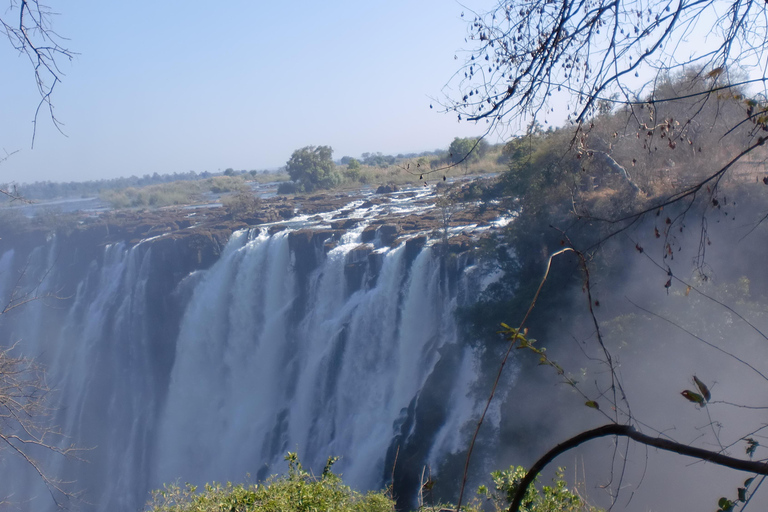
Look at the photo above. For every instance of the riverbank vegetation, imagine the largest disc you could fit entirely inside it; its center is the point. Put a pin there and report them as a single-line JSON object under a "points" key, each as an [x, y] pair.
{"points": [[309, 174]]}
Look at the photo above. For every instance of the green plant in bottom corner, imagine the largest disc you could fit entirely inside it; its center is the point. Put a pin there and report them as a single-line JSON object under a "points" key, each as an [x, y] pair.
{"points": [[555, 498], [298, 491]]}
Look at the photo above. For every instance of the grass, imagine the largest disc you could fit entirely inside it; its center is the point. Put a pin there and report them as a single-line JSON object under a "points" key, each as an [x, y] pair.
{"points": [[174, 193]]}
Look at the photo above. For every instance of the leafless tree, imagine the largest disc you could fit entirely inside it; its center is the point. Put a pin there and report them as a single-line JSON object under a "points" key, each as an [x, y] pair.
{"points": [[25, 428], [27, 24], [526, 53]]}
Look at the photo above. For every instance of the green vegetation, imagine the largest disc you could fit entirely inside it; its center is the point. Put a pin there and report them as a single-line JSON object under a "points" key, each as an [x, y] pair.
{"points": [[42, 190], [241, 205], [312, 168], [179, 192], [555, 498], [298, 491], [466, 151], [415, 168]]}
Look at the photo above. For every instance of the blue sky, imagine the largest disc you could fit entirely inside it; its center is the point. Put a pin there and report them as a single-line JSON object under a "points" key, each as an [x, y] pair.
{"points": [[176, 86]]}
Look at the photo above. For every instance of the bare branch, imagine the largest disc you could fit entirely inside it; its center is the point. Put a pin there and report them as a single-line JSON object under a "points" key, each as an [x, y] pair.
{"points": [[32, 35], [750, 466]]}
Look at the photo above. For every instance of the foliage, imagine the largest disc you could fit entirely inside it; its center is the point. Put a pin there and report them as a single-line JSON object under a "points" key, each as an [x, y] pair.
{"points": [[287, 187], [353, 170], [174, 193], [298, 491], [353, 164], [242, 205], [152, 196], [378, 160], [312, 168], [468, 150], [555, 498], [224, 184]]}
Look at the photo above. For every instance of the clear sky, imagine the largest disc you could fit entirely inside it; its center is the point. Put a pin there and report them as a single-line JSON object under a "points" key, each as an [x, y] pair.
{"points": [[189, 85]]}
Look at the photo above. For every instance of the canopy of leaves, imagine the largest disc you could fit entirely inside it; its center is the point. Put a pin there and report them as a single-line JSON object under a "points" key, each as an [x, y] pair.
{"points": [[312, 168], [298, 491], [467, 150]]}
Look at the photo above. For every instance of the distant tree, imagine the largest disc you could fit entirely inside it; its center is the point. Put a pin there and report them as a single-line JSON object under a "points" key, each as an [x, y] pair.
{"points": [[466, 151], [353, 164], [352, 172], [229, 172], [378, 159], [312, 168]]}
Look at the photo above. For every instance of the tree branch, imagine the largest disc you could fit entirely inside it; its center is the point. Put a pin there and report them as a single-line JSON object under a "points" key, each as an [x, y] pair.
{"points": [[630, 432]]}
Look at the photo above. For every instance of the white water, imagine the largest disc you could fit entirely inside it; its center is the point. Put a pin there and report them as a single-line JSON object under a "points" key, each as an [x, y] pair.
{"points": [[262, 366]]}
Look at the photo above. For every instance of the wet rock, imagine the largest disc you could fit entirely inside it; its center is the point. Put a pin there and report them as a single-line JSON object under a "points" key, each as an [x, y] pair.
{"points": [[387, 233], [357, 266], [368, 234], [387, 189], [345, 224], [414, 246]]}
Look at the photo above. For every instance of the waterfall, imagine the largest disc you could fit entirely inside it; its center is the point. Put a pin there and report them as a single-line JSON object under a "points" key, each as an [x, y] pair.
{"points": [[220, 373]]}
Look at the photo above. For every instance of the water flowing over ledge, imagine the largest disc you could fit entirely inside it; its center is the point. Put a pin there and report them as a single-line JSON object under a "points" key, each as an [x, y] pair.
{"points": [[292, 340]]}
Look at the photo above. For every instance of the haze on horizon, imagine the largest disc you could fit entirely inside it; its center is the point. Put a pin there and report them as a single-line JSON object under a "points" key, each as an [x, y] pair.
{"points": [[179, 86]]}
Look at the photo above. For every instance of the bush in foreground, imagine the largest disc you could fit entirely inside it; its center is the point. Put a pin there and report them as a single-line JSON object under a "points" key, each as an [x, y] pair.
{"points": [[557, 498], [298, 491]]}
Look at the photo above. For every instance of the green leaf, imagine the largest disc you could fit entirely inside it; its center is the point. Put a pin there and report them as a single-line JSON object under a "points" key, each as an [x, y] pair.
{"points": [[592, 404], [725, 504], [751, 446], [693, 397], [703, 388]]}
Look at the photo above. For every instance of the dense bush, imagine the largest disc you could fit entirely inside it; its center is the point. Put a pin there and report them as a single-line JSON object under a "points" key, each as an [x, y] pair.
{"points": [[242, 205], [557, 498], [298, 491], [288, 187], [312, 168]]}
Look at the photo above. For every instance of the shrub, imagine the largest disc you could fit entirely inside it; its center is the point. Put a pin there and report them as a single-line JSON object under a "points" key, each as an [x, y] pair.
{"points": [[298, 491], [289, 187], [241, 205], [223, 184], [550, 499]]}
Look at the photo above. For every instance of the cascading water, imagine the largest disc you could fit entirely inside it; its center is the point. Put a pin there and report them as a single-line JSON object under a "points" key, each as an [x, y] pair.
{"points": [[278, 346]]}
